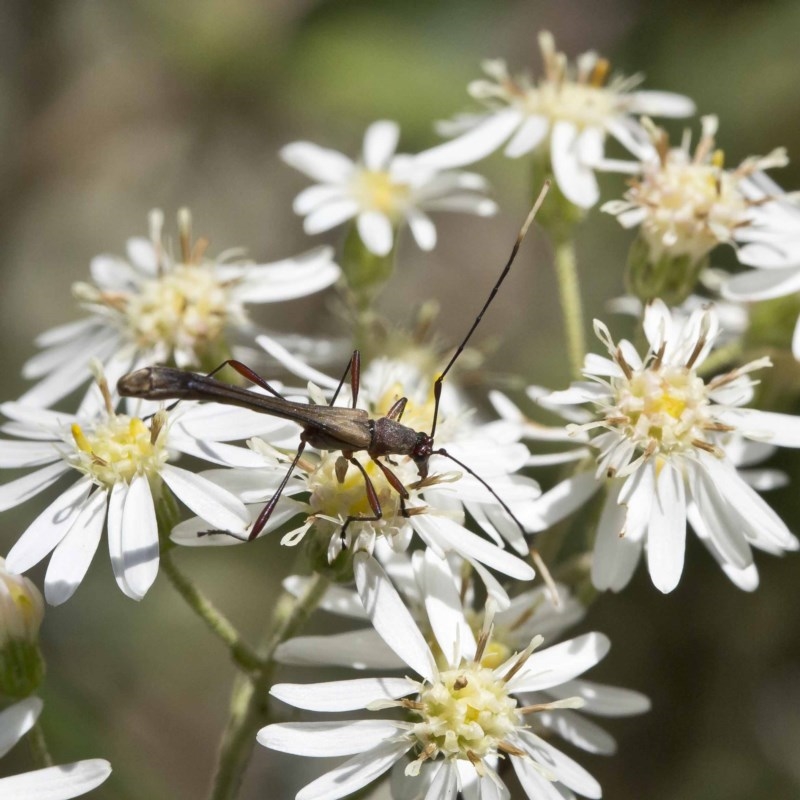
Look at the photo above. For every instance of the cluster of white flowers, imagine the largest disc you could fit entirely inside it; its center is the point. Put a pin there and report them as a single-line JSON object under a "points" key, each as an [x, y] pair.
{"points": [[392, 482]]}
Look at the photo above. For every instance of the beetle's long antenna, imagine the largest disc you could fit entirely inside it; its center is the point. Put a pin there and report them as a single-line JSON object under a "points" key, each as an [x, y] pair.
{"points": [[535, 556], [437, 387]]}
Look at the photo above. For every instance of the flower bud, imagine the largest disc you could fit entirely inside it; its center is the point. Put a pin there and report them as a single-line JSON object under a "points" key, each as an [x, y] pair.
{"points": [[651, 274], [21, 613]]}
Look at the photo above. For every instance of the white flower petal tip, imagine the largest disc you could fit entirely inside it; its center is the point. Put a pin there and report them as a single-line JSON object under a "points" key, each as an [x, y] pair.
{"points": [[160, 306], [382, 191], [56, 783], [679, 462]]}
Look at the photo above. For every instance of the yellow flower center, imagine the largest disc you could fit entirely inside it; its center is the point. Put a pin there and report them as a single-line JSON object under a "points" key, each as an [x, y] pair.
{"points": [[378, 192], [466, 713], [337, 499], [691, 207], [120, 448], [661, 409], [186, 307]]}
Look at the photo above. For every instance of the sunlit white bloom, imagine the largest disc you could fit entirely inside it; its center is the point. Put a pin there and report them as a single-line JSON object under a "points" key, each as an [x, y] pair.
{"points": [[566, 115], [665, 445], [52, 783], [123, 464], [382, 191], [685, 203], [433, 586], [775, 252], [161, 307], [460, 714], [336, 510]]}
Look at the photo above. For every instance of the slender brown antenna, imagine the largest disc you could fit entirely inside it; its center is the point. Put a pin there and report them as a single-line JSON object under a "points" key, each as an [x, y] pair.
{"points": [[437, 387]]}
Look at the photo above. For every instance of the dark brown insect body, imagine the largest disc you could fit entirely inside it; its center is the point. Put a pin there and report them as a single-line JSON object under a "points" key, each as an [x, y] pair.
{"points": [[349, 430]]}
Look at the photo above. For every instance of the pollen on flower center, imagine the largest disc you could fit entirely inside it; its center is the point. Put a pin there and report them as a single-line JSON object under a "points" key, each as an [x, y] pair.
{"points": [[377, 191], [690, 206], [187, 306], [466, 713], [661, 410], [119, 449], [337, 499]]}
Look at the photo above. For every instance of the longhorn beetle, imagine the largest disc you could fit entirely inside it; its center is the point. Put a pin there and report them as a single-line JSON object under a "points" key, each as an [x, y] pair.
{"points": [[349, 430]]}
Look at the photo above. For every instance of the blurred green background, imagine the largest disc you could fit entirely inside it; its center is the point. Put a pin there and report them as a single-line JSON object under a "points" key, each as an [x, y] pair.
{"points": [[110, 108]]}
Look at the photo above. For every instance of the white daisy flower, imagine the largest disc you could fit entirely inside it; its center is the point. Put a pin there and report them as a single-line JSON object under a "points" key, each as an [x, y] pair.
{"points": [[382, 190], [461, 715], [157, 307], [337, 511], [566, 114], [666, 444], [773, 248], [52, 783], [685, 203], [122, 464], [433, 584]]}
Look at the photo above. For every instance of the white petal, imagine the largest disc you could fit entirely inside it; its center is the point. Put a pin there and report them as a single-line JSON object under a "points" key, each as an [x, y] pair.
{"points": [[116, 503], [295, 365], [579, 731], [16, 454], [661, 104], [319, 163], [528, 137], [326, 739], [423, 230], [778, 429], [444, 785], [615, 554], [142, 254], [560, 663], [762, 284], [445, 612], [210, 502], [560, 501], [342, 695], [315, 196], [330, 215], [295, 277], [666, 537], [360, 649], [140, 548], [389, 615], [17, 720], [476, 143], [337, 599], [47, 530], [227, 455], [535, 785], [73, 555], [355, 773], [376, 232], [18, 491], [576, 181], [56, 783], [380, 143], [605, 701], [569, 772], [448, 535]]}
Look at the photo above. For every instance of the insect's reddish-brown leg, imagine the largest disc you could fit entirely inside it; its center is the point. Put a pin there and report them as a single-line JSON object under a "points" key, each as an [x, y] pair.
{"points": [[263, 517], [245, 372], [372, 498], [354, 368], [397, 409]]}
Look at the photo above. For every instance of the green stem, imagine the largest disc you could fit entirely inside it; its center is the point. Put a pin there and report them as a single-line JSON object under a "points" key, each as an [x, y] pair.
{"points": [[242, 654], [249, 707], [571, 306], [38, 746]]}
